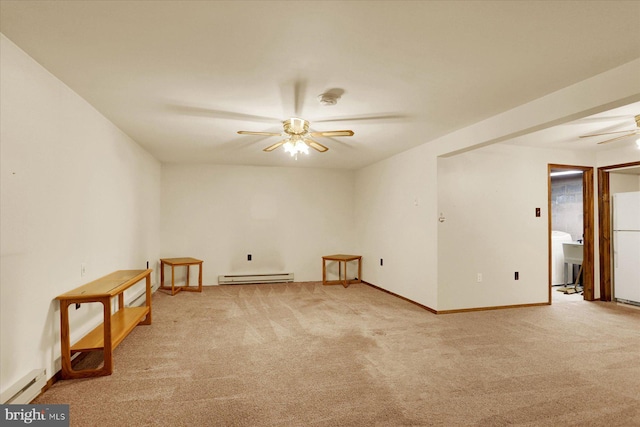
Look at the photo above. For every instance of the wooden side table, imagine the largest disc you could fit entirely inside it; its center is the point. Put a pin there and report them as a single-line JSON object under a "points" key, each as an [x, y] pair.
{"points": [[341, 259], [178, 262]]}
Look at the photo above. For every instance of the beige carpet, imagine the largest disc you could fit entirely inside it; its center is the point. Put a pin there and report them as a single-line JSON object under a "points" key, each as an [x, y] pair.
{"points": [[306, 355]]}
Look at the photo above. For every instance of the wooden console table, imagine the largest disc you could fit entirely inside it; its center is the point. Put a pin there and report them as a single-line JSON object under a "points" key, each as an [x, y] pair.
{"points": [[341, 259], [177, 262], [114, 328]]}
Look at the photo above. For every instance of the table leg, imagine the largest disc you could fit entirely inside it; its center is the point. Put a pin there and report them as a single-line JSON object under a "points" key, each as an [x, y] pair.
{"points": [[324, 271], [107, 368], [200, 279], [64, 339], [147, 320], [173, 280], [188, 268], [161, 273]]}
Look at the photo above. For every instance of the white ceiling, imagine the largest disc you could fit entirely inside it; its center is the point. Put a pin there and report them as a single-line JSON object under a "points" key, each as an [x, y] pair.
{"points": [[182, 77]]}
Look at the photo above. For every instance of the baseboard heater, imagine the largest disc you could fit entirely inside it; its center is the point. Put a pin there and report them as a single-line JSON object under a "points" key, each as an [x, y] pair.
{"points": [[26, 389], [245, 279]]}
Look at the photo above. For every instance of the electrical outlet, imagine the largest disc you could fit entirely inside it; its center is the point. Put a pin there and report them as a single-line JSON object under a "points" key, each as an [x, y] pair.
{"points": [[381, 262], [479, 277], [248, 257], [516, 276]]}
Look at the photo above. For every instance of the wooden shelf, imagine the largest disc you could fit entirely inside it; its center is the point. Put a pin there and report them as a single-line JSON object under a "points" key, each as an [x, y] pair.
{"points": [[114, 327], [122, 322]]}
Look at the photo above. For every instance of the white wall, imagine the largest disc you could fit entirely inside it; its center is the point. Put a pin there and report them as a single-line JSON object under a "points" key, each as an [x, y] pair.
{"points": [[396, 221], [74, 190], [629, 153], [623, 183], [286, 218], [489, 197]]}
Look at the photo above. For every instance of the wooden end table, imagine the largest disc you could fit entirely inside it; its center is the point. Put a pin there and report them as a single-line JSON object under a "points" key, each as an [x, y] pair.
{"points": [[179, 262], [341, 259]]}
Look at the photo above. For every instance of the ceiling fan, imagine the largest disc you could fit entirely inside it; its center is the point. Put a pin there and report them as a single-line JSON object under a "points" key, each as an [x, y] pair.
{"points": [[627, 133], [298, 137], [296, 131]]}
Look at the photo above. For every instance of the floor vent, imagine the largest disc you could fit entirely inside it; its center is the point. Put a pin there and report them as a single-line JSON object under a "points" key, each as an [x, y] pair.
{"points": [[26, 389], [245, 279]]}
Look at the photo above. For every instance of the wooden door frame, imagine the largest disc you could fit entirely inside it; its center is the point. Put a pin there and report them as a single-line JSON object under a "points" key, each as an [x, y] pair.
{"points": [[587, 228], [605, 226]]}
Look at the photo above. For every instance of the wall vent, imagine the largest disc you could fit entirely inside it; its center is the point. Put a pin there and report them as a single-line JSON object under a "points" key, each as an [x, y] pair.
{"points": [[26, 389], [245, 279]]}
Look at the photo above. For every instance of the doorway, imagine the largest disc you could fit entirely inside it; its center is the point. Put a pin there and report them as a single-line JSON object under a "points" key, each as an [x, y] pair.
{"points": [[580, 231], [605, 226]]}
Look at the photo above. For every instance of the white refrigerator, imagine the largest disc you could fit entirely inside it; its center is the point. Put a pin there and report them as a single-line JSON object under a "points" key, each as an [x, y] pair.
{"points": [[626, 246]]}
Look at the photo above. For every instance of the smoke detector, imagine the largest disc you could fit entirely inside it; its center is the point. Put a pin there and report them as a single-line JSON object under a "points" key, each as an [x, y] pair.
{"points": [[330, 97]]}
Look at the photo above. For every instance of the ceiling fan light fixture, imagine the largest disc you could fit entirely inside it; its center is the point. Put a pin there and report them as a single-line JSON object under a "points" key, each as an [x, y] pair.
{"points": [[295, 145]]}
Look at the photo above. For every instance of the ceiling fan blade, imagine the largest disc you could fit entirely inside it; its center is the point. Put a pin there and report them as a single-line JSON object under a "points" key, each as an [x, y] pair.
{"points": [[207, 112], [274, 146], [600, 119], [332, 133], [635, 132], [608, 133], [315, 145], [378, 117], [247, 132]]}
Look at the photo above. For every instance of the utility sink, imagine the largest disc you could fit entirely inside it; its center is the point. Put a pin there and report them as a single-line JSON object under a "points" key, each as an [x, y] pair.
{"points": [[573, 252]]}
